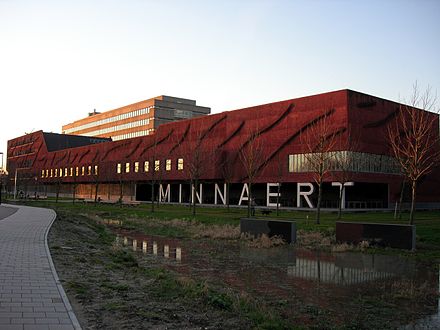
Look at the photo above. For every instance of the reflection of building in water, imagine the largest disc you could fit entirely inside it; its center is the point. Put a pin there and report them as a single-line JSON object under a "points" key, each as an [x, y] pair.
{"points": [[329, 272], [156, 248]]}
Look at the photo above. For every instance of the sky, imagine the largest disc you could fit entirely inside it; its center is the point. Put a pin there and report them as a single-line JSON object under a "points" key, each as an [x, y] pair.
{"points": [[61, 59]]}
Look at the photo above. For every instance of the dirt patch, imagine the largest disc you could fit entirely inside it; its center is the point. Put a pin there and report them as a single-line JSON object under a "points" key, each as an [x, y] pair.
{"points": [[109, 289]]}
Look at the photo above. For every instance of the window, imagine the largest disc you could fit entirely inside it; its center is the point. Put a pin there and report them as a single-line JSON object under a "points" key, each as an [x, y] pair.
{"points": [[157, 165], [136, 167], [83, 170], [65, 171], [180, 164], [89, 170], [119, 168], [168, 165], [146, 166], [47, 173], [127, 167], [42, 173], [77, 171], [71, 171], [96, 169], [56, 172], [51, 172]]}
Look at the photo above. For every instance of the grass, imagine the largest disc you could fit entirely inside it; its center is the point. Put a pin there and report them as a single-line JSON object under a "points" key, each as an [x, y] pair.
{"points": [[136, 218]]}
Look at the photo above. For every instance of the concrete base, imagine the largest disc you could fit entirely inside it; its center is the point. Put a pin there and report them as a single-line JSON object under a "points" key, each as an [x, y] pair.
{"points": [[387, 235], [271, 227]]}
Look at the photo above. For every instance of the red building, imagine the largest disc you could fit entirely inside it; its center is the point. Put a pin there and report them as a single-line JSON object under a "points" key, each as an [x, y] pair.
{"points": [[214, 149]]}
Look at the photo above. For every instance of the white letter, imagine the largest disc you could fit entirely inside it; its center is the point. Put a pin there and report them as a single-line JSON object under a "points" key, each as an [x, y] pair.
{"points": [[269, 194], [165, 195], [346, 184], [222, 196], [198, 194], [306, 194], [243, 197]]}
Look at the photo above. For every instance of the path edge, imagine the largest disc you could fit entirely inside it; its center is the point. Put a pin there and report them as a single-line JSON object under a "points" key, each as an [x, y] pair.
{"points": [[63, 295]]}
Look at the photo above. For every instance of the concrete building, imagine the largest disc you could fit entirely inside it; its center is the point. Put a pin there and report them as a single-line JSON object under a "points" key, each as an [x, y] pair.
{"points": [[137, 119]]}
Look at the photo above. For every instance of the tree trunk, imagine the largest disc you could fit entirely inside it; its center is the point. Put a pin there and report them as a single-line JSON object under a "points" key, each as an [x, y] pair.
{"points": [[227, 196], [194, 197], [318, 206], [74, 193], [58, 192], [341, 193], [413, 202], [250, 201], [152, 197], [96, 192], [278, 198], [399, 214]]}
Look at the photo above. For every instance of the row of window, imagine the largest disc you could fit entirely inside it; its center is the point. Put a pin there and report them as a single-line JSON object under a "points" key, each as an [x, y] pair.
{"points": [[64, 172], [132, 124], [122, 116], [136, 166], [345, 160], [132, 134]]}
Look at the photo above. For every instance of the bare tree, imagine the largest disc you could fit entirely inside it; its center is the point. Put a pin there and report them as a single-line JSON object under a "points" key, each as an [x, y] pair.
{"points": [[251, 157], [196, 161], [320, 141], [414, 139], [227, 172], [344, 169]]}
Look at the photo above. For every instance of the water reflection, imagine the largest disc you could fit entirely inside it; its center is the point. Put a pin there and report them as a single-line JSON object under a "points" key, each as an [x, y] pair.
{"points": [[316, 278], [169, 252]]}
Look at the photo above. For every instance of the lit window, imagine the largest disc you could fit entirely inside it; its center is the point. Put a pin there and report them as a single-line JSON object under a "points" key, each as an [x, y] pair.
{"points": [[42, 173], [96, 169], [136, 167], [180, 164], [157, 165], [71, 171], [168, 165], [77, 171], [47, 173], [51, 172], [56, 172], [65, 171], [89, 170], [119, 168], [127, 167], [83, 170], [146, 166]]}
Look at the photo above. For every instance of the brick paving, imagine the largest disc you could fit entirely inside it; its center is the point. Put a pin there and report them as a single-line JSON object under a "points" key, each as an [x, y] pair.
{"points": [[31, 296]]}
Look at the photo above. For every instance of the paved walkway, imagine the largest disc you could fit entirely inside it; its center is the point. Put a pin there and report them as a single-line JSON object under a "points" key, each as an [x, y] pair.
{"points": [[31, 296]]}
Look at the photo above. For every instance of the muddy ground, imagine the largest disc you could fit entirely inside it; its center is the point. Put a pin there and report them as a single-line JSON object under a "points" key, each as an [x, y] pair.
{"points": [[112, 287]]}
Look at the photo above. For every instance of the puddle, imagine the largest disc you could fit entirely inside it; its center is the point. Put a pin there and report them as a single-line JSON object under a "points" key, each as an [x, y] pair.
{"points": [[304, 279]]}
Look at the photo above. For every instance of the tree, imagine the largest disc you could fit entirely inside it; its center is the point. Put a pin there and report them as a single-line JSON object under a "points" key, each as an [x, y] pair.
{"points": [[414, 139], [320, 140], [227, 172], [251, 157], [196, 161], [344, 169]]}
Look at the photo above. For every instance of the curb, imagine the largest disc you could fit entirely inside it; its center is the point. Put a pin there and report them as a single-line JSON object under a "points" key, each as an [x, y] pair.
{"points": [[63, 295]]}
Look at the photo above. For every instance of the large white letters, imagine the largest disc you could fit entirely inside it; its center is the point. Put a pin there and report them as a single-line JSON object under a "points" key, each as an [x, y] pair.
{"points": [[197, 193], [271, 194], [346, 184], [164, 195], [305, 194], [218, 191], [243, 197]]}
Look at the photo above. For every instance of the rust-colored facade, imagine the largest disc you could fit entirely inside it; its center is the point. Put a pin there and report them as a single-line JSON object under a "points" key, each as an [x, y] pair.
{"points": [[216, 143], [137, 119]]}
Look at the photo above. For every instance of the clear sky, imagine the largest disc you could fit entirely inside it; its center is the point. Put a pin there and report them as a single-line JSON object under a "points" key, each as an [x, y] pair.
{"points": [[61, 59]]}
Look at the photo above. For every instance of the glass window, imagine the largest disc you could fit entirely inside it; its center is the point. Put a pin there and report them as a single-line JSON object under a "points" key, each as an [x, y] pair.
{"points": [[157, 165], [76, 171], [136, 167], [146, 166], [180, 164], [89, 170], [65, 171], [127, 167], [47, 173], [168, 165], [96, 169], [119, 168], [56, 172], [71, 171], [42, 173], [83, 170]]}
